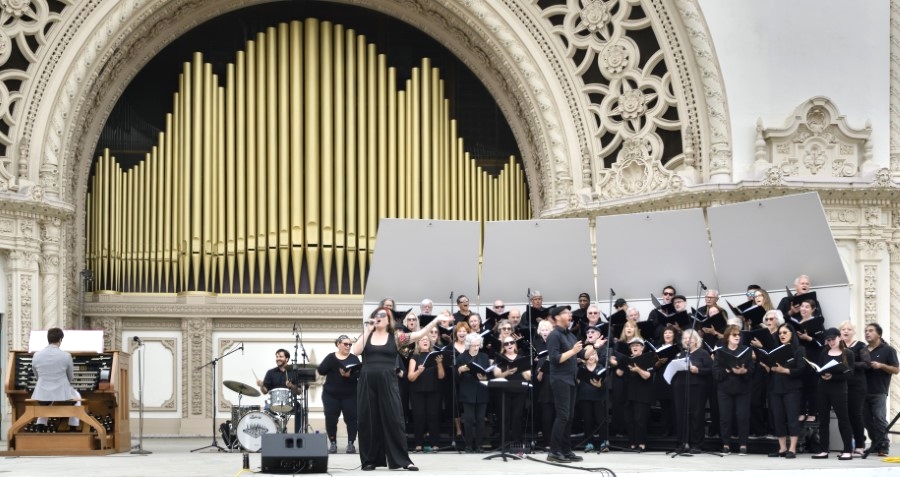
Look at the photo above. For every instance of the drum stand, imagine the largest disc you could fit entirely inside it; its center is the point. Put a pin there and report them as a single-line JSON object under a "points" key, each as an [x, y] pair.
{"points": [[212, 407]]}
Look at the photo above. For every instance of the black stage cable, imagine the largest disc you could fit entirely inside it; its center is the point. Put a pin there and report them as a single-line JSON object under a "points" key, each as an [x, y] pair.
{"points": [[602, 470]]}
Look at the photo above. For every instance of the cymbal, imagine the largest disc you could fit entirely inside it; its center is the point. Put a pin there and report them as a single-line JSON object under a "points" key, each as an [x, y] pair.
{"points": [[299, 366], [241, 388]]}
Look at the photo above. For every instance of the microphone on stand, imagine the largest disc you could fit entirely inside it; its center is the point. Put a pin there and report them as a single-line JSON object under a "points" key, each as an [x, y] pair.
{"points": [[294, 331], [242, 348], [138, 341], [702, 286], [528, 293], [612, 292], [451, 296]]}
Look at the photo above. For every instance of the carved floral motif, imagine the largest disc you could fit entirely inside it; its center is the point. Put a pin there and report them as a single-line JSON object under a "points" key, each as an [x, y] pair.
{"points": [[870, 275]]}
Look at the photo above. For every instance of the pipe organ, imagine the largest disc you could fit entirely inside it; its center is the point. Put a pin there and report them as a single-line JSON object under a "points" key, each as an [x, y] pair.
{"points": [[273, 179]]}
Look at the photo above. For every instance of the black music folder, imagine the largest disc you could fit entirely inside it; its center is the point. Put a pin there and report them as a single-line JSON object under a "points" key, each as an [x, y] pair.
{"points": [[814, 327], [796, 300], [645, 361], [762, 334], [731, 359], [521, 363], [667, 351], [481, 369], [585, 374], [832, 367], [424, 319], [782, 355]]}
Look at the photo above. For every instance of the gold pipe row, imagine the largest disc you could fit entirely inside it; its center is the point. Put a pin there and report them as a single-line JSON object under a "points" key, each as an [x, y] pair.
{"points": [[274, 182]]}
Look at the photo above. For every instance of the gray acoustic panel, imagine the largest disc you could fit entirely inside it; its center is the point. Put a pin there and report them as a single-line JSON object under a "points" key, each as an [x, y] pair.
{"points": [[639, 254], [552, 256], [769, 242], [415, 259]]}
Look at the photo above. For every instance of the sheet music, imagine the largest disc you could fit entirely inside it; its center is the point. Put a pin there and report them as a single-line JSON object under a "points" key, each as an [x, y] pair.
{"points": [[675, 366]]}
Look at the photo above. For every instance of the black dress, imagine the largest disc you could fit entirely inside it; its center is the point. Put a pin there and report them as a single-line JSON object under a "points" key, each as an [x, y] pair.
{"points": [[382, 430]]}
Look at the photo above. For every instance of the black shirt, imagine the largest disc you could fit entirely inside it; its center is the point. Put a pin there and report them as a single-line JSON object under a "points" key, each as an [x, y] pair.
{"points": [[559, 342], [335, 383], [878, 381]]}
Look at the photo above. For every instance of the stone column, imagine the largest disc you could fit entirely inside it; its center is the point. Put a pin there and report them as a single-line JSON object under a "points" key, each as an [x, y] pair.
{"points": [[196, 352], [894, 329], [895, 90], [21, 280], [50, 290]]}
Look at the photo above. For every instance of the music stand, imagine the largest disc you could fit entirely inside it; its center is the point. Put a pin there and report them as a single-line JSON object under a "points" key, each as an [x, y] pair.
{"points": [[505, 386]]}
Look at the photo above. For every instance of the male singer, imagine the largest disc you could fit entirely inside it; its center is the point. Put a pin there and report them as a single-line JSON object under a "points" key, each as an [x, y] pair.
{"points": [[563, 348], [277, 377]]}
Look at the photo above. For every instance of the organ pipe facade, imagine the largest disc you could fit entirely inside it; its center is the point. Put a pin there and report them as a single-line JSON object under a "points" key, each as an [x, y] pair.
{"points": [[272, 179]]}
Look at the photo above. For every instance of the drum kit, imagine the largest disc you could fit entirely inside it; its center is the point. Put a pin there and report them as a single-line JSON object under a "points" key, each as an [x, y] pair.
{"points": [[249, 423]]}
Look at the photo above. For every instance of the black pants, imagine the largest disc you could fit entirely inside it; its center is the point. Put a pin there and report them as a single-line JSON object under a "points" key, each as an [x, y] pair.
{"points": [[382, 428], [548, 415], [333, 407], [734, 410], [689, 415], [594, 415], [856, 398], [637, 416], [473, 424], [836, 399], [426, 411], [759, 411], [785, 412], [564, 402]]}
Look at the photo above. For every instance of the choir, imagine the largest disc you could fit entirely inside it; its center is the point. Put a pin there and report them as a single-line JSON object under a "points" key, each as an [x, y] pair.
{"points": [[572, 379]]}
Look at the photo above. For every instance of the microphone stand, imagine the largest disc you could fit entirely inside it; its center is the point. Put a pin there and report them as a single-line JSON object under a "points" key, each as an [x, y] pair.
{"points": [[454, 410], [215, 443], [531, 396], [608, 381], [140, 447], [300, 415]]}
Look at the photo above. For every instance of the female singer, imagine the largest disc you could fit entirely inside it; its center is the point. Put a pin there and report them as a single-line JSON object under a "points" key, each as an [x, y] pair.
{"points": [[341, 371], [856, 384], [460, 331], [630, 331], [759, 409], [785, 395], [762, 299], [411, 322], [771, 320], [382, 430], [639, 395], [474, 322], [833, 394], [809, 407], [662, 390], [473, 395], [618, 390], [424, 396], [515, 401], [733, 370], [689, 410], [590, 397]]}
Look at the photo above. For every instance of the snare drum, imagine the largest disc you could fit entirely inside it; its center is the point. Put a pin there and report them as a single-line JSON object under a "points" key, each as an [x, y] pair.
{"points": [[252, 427], [280, 400], [237, 412]]}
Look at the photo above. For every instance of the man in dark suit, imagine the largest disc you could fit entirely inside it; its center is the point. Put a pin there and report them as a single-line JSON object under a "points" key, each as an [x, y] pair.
{"points": [[54, 371]]}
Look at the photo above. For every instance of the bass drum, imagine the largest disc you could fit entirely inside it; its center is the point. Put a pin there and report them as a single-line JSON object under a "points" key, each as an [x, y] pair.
{"points": [[251, 428]]}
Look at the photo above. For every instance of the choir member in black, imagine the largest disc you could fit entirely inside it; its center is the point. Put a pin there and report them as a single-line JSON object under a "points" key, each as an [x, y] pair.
{"points": [[593, 319], [662, 390], [460, 331], [689, 413], [341, 372], [382, 430], [563, 349], [856, 384], [639, 395], [630, 331], [474, 322], [656, 317], [785, 396], [833, 393], [515, 401], [463, 312], [590, 399], [424, 395], [473, 395], [579, 315], [733, 371], [545, 409], [812, 344], [878, 381], [761, 422], [788, 307]]}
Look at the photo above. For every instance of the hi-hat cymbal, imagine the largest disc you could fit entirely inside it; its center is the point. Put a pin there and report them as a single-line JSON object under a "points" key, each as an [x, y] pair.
{"points": [[241, 388]]}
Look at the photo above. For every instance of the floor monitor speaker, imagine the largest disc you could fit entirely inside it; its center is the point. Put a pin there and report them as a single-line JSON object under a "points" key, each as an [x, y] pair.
{"points": [[294, 453]]}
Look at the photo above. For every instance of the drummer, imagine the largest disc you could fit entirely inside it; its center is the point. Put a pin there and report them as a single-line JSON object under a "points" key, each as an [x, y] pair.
{"points": [[277, 377]]}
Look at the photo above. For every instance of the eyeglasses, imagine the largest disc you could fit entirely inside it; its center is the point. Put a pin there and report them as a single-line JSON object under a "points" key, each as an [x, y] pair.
{"points": [[508, 343], [345, 344], [464, 302], [593, 313], [783, 333], [505, 328], [770, 319], [381, 315], [668, 294]]}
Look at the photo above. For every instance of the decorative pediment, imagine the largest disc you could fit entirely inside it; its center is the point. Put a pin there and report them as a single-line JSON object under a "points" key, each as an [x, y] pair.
{"points": [[815, 142], [637, 171]]}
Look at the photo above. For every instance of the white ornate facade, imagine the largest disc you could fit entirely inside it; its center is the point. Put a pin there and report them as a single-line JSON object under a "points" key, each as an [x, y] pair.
{"points": [[595, 112]]}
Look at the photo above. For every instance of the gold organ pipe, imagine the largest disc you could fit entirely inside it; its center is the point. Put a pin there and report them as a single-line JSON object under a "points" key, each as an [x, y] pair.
{"points": [[174, 214], [296, 160], [261, 123], [402, 182], [283, 158], [127, 228], [184, 182], [362, 159], [382, 161], [195, 184], [393, 188], [415, 147], [340, 204], [371, 153], [240, 167], [230, 203], [311, 159], [454, 172], [433, 134], [221, 203], [250, 171], [206, 177], [270, 203], [351, 169], [426, 128], [326, 138]]}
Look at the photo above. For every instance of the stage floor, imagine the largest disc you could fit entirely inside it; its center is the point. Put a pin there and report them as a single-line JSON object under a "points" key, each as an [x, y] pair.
{"points": [[172, 456]]}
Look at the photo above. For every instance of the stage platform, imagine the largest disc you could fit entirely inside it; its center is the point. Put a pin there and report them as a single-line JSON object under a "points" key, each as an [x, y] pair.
{"points": [[172, 456]]}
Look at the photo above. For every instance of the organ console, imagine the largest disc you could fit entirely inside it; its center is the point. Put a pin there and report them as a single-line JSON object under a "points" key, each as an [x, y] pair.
{"points": [[102, 380]]}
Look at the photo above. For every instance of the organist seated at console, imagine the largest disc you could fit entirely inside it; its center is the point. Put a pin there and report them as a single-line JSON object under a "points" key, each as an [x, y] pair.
{"points": [[55, 371]]}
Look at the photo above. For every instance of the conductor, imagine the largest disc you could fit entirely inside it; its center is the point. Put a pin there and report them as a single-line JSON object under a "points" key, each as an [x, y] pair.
{"points": [[54, 371]]}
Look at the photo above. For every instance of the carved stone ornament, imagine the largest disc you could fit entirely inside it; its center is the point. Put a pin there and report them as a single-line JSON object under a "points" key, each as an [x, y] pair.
{"points": [[637, 170], [815, 142]]}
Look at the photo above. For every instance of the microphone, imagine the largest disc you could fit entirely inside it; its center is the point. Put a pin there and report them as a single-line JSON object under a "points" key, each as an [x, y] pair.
{"points": [[294, 331], [702, 286], [138, 341], [528, 293], [242, 348], [612, 292], [451, 296]]}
